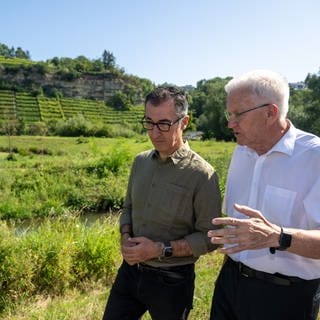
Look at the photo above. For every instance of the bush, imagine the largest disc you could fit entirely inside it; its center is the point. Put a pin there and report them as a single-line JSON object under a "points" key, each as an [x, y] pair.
{"points": [[37, 129], [119, 101], [54, 256], [73, 127]]}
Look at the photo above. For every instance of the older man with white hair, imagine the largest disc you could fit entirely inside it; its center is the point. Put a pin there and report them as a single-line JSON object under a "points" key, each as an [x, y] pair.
{"points": [[272, 234]]}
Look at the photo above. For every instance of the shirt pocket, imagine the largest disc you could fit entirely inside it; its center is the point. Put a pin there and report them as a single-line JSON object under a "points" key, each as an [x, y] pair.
{"points": [[278, 205], [173, 203]]}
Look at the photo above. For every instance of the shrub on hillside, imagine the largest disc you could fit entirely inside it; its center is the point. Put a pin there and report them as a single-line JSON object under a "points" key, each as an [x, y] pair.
{"points": [[119, 101], [36, 129], [80, 126], [73, 127]]}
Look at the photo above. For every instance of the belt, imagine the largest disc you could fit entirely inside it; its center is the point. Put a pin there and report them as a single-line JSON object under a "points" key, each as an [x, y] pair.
{"points": [[175, 272], [276, 278]]}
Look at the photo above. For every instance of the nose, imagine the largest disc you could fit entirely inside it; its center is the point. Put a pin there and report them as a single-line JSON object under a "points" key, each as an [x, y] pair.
{"points": [[233, 123]]}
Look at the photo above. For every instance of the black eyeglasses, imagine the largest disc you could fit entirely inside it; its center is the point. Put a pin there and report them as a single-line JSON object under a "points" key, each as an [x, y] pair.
{"points": [[162, 125], [236, 116]]}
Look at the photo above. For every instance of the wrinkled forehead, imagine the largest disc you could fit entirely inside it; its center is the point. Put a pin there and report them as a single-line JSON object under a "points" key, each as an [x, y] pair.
{"points": [[164, 110], [242, 97]]}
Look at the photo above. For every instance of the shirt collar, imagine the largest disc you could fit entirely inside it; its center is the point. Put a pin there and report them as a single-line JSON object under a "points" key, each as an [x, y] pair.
{"points": [[284, 145], [176, 156]]}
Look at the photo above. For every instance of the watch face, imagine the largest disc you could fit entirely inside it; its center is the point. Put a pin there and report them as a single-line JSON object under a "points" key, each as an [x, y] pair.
{"points": [[168, 251], [285, 241]]}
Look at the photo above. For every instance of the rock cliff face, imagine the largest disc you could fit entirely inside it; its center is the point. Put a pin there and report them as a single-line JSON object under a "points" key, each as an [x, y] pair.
{"points": [[86, 86], [99, 87]]}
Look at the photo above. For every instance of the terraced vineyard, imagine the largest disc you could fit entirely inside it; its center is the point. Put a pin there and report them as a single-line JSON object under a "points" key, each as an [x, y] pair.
{"points": [[15, 61], [7, 105], [27, 108], [50, 109], [30, 109]]}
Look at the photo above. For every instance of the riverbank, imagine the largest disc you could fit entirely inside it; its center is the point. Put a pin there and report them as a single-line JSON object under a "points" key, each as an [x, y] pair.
{"points": [[88, 303]]}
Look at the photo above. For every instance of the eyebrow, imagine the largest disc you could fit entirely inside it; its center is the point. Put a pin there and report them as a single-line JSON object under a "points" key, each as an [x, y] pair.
{"points": [[161, 120]]}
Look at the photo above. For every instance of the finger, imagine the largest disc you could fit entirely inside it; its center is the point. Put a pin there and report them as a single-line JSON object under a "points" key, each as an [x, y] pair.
{"points": [[230, 240], [129, 249], [135, 239], [229, 250], [248, 211], [227, 232], [226, 221]]}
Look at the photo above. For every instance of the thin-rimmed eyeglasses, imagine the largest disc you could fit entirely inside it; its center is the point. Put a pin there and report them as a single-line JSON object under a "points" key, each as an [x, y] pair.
{"points": [[236, 116]]}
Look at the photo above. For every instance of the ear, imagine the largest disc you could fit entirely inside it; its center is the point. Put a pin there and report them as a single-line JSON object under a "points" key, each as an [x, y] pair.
{"points": [[273, 113], [184, 122]]}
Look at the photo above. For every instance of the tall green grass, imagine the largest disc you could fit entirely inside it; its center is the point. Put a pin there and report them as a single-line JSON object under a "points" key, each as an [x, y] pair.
{"points": [[58, 267], [55, 256], [50, 176]]}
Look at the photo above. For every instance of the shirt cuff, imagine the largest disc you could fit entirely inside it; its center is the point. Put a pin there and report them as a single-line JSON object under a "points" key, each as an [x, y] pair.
{"points": [[125, 218], [200, 243]]}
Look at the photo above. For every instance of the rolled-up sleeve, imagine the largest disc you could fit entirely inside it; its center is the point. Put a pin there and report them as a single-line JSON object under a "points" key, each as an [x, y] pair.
{"points": [[126, 214]]}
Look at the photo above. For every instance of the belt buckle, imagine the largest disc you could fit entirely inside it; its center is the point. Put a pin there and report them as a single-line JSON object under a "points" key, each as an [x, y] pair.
{"points": [[240, 267]]}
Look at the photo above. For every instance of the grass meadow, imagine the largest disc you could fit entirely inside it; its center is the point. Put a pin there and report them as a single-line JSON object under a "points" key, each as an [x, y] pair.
{"points": [[56, 262]]}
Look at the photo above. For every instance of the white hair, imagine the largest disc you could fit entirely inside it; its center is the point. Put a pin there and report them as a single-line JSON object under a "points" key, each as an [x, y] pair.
{"points": [[266, 84]]}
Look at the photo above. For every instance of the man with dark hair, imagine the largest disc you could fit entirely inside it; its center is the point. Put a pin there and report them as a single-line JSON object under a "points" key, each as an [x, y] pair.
{"points": [[172, 196]]}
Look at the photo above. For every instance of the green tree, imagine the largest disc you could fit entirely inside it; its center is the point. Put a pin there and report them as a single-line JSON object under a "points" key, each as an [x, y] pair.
{"points": [[4, 50], [299, 102], [20, 53], [108, 60], [119, 101], [313, 108], [82, 64], [199, 98], [97, 66], [210, 98], [9, 127]]}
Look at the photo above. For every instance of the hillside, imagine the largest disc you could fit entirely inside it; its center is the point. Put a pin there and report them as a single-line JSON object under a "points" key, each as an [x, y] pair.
{"points": [[64, 88], [69, 78], [27, 108]]}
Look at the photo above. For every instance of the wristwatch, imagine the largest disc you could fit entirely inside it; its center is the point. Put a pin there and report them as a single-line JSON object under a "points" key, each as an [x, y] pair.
{"points": [[167, 249], [284, 242]]}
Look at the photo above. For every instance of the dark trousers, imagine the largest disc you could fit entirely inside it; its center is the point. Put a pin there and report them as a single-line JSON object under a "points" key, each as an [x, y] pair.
{"points": [[239, 296], [166, 293]]}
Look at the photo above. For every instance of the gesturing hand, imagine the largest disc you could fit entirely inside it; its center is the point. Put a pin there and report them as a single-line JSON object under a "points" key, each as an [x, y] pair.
{"points": [[256, 232]]}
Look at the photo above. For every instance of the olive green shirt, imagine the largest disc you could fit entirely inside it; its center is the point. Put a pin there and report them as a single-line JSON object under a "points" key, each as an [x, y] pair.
{"points": [[172, 200]]}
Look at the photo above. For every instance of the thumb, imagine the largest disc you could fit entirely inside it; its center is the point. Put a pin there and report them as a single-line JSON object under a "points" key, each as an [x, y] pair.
{"points": [[135, 239]]}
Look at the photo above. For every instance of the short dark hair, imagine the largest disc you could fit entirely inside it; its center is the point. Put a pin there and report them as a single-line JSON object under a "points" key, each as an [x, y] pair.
{"points": [[164, 93]]}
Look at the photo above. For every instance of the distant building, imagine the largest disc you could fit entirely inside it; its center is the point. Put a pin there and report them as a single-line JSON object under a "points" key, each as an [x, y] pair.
{"points": [[188, 88], [193, 135], [298, 85]]}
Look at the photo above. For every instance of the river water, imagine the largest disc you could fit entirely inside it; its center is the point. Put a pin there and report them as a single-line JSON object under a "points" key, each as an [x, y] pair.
{"points": [[26, 225]]}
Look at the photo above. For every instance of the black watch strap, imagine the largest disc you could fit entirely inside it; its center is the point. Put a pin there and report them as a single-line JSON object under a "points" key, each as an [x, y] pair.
{"points": [[284, 242]]}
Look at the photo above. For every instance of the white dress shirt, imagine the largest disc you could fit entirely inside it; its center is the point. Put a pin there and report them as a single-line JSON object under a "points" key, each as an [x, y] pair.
{"points": [[284, 184]]}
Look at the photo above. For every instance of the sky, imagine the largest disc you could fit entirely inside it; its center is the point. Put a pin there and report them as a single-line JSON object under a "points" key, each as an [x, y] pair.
{"points": [[175, 41]]}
